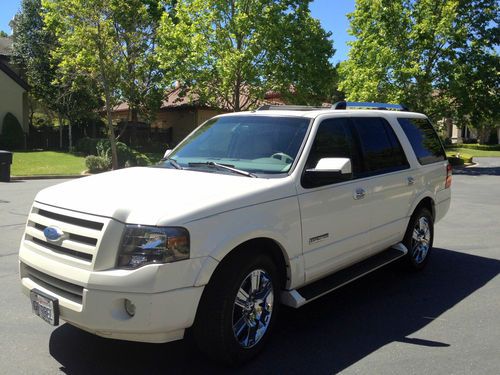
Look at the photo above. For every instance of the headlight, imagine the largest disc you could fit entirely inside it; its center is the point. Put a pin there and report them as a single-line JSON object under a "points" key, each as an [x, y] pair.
{"points": [[143, 245]]}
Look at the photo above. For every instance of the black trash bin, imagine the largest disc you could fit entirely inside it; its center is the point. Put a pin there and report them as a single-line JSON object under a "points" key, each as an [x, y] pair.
{"points": [[5, 162]]}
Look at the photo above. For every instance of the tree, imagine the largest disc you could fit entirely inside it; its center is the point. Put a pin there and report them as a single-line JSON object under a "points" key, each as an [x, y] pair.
{"points": [[230, 53], [3, 34], [33, 47], [135, 24], [417, 52], [110, 42]]}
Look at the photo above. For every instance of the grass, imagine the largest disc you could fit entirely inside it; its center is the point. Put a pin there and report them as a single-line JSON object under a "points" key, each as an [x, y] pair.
{"points": [[31, 163], [474, 153]]}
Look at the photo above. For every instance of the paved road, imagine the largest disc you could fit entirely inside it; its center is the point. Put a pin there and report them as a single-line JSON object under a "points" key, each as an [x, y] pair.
{"points": [[444, 320]]}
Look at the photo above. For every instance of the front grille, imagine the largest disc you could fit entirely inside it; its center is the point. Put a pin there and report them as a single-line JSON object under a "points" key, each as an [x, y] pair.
{"points": [[81, 233], [71, 220], [75, 237], [59, 287], [62, 250]]}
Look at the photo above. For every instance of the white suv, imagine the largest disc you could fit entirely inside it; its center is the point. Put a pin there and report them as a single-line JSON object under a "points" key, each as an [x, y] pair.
{"points": [[252, 210]]}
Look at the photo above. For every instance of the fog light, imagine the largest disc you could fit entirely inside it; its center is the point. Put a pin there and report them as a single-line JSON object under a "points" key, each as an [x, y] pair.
{"points": [[129, 307]]}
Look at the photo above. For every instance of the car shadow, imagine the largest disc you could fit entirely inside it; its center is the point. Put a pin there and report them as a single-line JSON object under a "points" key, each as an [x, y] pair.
{"points": [[323, 337], [477, 171]]}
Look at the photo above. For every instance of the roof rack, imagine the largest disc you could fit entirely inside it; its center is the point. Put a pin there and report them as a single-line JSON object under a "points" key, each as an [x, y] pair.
{"points": [[269, 107], [381, 106]]}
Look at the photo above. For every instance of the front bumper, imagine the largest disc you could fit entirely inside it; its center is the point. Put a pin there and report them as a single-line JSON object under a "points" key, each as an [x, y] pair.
{"points": [[164, 296]]}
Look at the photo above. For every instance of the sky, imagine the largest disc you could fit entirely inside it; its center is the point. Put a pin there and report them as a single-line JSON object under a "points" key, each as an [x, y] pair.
{"points": [[331, 13]]}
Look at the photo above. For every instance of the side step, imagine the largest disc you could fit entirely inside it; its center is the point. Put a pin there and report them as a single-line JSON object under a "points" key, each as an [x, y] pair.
{"points": [[299, 297]]}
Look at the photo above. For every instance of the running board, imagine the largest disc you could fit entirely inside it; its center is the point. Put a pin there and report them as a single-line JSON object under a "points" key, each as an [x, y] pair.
{"points": [[299, 297]]}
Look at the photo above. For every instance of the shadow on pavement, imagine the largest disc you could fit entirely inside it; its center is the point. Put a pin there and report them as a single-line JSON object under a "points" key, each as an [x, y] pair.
{"points": [[477, 171], [323, 337]]}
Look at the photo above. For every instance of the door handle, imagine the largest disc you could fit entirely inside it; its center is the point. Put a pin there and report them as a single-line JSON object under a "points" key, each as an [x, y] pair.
{"points": [[410, 180], [359, 193]]}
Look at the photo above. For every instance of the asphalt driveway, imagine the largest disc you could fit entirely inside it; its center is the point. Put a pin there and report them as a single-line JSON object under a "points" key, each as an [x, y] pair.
{"points": [[444, 320]]}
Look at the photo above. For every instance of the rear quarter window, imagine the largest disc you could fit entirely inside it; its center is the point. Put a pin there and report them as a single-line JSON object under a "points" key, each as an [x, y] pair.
{"points": [[423, 139]]}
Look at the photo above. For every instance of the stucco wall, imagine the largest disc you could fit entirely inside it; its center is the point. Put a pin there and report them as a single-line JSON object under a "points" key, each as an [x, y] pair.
{"points": [[182, 122], [11, 100]]}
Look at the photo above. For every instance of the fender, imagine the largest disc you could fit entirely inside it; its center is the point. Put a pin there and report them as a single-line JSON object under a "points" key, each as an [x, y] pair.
{"points": [[418, 199], [278, 221]]}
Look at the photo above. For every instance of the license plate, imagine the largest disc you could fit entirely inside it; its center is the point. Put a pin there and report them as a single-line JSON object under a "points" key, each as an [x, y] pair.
{"points": [[45, 306]]}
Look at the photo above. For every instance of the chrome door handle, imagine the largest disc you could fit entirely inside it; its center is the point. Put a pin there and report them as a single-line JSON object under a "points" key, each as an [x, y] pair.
{"points": [[410, 180], [359, 193]]}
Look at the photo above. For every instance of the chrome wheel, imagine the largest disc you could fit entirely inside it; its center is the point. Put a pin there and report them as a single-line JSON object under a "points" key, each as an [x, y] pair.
{"points": [[421, 239], [252, 309]]}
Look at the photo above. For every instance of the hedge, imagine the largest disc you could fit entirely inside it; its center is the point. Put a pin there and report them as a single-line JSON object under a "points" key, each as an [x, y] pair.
{"points": [[12, 137]]}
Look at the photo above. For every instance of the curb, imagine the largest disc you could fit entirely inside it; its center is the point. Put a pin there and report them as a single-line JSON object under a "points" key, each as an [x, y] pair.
{"points": [[47, 177]]}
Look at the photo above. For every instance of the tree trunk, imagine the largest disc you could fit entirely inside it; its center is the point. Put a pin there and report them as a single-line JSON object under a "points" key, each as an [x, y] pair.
{"points": [[60, 132], [111, 131], [70, 136], [135, 121], [107, 98]]}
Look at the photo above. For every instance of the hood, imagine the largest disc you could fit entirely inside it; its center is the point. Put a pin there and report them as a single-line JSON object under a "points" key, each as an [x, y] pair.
{"points": [[161, 196]]}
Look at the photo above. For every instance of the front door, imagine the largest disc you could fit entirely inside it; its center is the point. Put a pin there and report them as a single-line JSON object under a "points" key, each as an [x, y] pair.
{"points": [[335, 217]]}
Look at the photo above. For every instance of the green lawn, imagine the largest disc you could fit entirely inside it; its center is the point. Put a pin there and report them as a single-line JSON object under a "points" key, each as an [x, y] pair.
{"points": [[474, 153], [46, 163]]}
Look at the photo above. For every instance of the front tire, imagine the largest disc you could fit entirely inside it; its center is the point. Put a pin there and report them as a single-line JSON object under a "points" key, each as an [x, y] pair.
{"points": [[419, 238], [238, 308]]}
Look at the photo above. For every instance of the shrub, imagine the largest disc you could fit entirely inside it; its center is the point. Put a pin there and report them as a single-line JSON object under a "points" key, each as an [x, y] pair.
{"points": [[127, 157], [493, 140], [96, 164], [12, 133], [87, 146], [125, 154], [142, 160], [459, 158], [477, 147]]}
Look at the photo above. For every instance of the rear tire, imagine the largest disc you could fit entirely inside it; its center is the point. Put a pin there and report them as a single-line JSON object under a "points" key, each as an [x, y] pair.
{"points": [[419, 238], [238, 308]]}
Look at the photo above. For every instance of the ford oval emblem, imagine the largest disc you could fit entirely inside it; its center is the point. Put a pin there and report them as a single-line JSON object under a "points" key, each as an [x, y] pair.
{"points": [[53, 234]]}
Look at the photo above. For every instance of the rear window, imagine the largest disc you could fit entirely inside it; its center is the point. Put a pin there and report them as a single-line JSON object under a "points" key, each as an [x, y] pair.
{"points": [[423, 139]]}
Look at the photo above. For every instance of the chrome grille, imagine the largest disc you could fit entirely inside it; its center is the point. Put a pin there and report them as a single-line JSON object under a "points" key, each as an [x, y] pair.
{"points": [[82, 234]]}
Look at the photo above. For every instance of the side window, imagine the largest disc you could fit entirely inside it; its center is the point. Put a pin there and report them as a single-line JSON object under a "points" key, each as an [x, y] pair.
{"points": [[380, 147], [423, 139], [332, 141]]}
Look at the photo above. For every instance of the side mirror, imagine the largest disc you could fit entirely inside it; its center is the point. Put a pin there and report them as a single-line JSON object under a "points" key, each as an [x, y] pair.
{"points": [[328, 171], [334, 165], [165, 155]]}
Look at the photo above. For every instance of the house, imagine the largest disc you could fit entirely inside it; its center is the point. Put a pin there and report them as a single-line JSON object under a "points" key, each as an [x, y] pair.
{"points": [[177, 117], [180, 113], [13, 89], [463, 134]]}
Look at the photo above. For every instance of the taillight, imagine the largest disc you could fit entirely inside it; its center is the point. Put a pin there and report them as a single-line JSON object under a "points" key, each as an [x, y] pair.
{"points": [[447, 182]]}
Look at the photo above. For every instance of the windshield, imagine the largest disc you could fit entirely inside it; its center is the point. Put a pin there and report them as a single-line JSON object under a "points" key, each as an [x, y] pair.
{"points": [[255, 144]]}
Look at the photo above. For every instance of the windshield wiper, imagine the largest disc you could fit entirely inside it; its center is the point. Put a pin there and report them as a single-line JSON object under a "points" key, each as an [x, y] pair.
{"points": [[173, 163], [224, 167]]}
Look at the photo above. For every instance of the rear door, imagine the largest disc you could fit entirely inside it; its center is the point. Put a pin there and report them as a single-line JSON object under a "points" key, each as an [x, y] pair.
{"points": [[388, 179]]}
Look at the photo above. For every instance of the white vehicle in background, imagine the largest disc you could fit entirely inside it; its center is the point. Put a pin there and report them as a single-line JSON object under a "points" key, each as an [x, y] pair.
{"points": [[252, 210]]}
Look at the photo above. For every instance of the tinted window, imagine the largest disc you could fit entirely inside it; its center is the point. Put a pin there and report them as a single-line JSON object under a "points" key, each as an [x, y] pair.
{"points": [[423, 139], [379, 145], [332, 141]]}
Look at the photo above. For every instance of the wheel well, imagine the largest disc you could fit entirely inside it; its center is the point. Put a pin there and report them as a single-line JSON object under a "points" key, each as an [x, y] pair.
{"points": [[261, 245], [429, 204]]}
